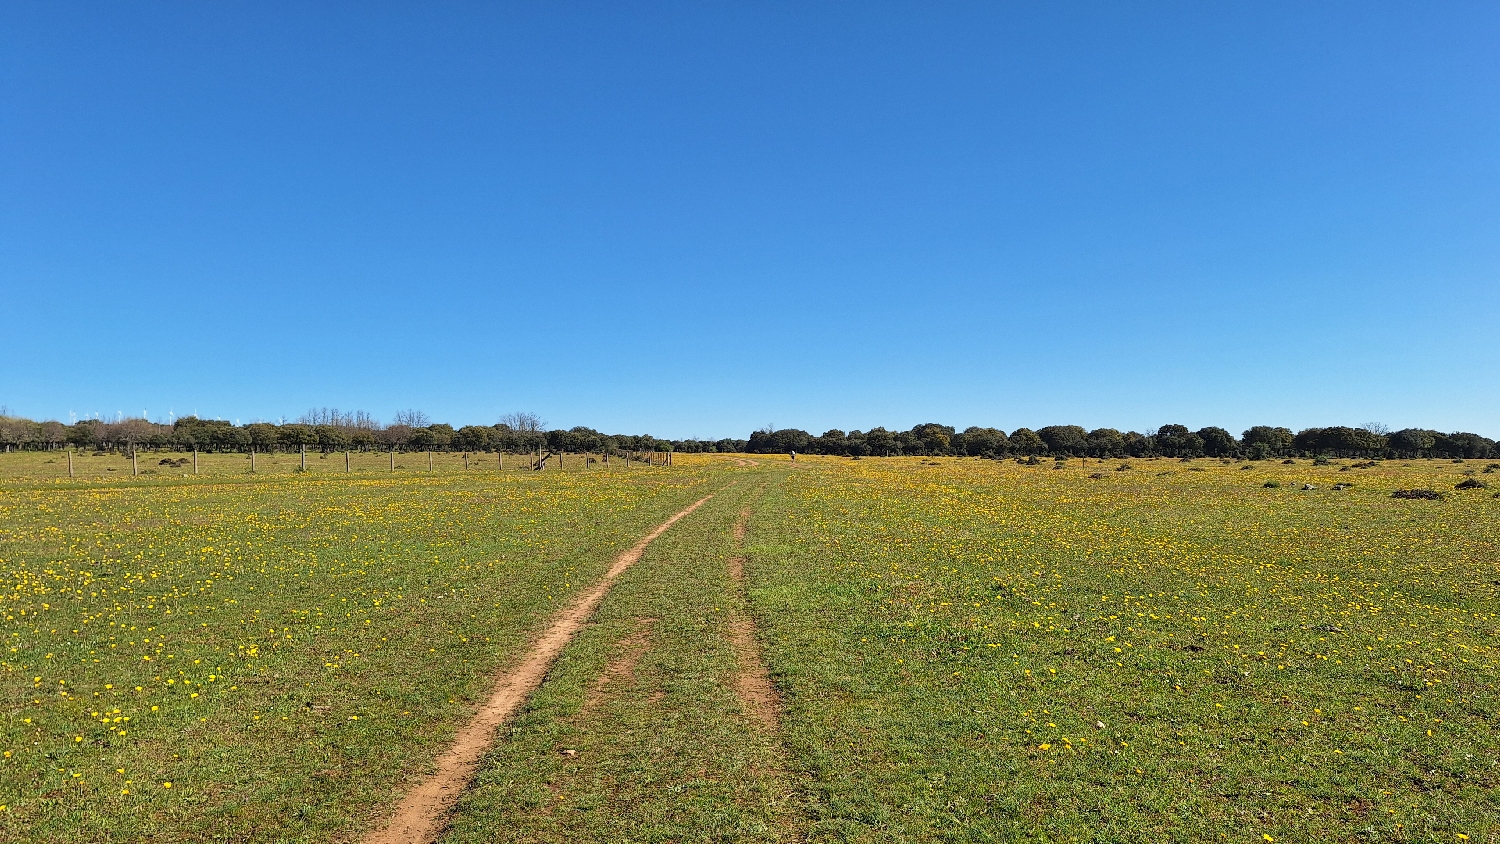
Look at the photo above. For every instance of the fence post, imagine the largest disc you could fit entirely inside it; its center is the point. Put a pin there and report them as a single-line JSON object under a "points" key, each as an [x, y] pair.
{"points": [[195, 460], [500, 458], [466, 461], [252, 459], [393, 459], [429, 460], [346, 462], [133, 469], [70, 462], [304, 457]]}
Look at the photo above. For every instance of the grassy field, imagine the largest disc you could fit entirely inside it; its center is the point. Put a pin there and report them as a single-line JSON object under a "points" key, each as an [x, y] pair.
{"points": [[153, 465], [964, 650], [982, 651], [284, 651]]}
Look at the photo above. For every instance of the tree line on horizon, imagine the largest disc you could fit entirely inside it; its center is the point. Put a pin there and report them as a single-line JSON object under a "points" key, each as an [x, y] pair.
{"points": [[330, 430], [1257, 443]]}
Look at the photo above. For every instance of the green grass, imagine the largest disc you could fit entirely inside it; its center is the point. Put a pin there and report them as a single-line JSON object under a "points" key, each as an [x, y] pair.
{"points": [[976, 652], [288, 652], [664, 750], [967, 651], [115, 466]]}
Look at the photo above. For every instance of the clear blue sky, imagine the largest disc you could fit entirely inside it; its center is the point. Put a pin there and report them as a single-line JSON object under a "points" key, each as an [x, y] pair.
{"points": [[695, 219]]}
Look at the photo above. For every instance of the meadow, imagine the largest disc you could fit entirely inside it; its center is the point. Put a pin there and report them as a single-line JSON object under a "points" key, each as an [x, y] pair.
{"points": [[961, 650]]}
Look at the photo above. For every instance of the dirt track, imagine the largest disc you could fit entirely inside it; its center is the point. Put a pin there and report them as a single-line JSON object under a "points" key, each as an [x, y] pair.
{"points": [[752, 682], [423, 814]]}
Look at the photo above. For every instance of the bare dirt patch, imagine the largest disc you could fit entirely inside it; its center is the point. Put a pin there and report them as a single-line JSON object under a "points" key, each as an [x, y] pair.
{"points": [[423, 813], [752, 682]]}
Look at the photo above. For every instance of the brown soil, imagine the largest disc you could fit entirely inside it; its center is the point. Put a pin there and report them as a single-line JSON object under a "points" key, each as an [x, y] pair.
{"points": [[423, 814], [752, 682]]}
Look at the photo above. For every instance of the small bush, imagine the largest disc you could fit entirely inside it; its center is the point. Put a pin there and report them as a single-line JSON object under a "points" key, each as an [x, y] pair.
{"points": [[1271, 485], [1097, 475], [1289, 462], [1422, 494], [1320, 461], [1491, 468], [1123, 467], [1471, 483]]}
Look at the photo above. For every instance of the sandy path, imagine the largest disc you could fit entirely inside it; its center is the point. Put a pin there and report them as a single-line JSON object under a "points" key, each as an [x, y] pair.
{"points": [[752, 682], [423, 814]]}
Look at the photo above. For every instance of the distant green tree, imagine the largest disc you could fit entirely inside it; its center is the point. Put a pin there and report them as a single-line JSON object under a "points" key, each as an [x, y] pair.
{"points": [[933, 438], [1263, 441], [330, 438], [263, 436], [84, 433], [882, 443], [985, 442], [1025, 441], [1218, 442], [1065, 440], [1106, 442], [1413, 442], [472, 438], [1471, 446], [1138, 444], [1178, 441]]}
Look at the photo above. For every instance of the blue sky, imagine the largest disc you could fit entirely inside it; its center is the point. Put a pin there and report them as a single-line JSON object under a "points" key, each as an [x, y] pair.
{"points": [[696, 219]]}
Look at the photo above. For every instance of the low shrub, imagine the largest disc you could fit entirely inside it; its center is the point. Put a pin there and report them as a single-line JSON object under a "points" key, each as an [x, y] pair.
{"points": [[1471, 483], [1271, 485], [1423, 494]]}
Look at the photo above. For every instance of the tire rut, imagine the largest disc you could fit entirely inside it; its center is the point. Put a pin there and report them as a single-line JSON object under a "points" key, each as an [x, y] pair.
{"points": [[423, 813]]}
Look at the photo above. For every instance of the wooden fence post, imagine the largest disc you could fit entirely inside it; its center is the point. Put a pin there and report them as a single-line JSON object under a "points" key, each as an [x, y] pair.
{"points": [[346, 461], [304, 457], [252, 459], [466, 461], [195, 460], [393, 459], [560, 456], [70, 462], [429, 460], [500, 458], [134, 470]]}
